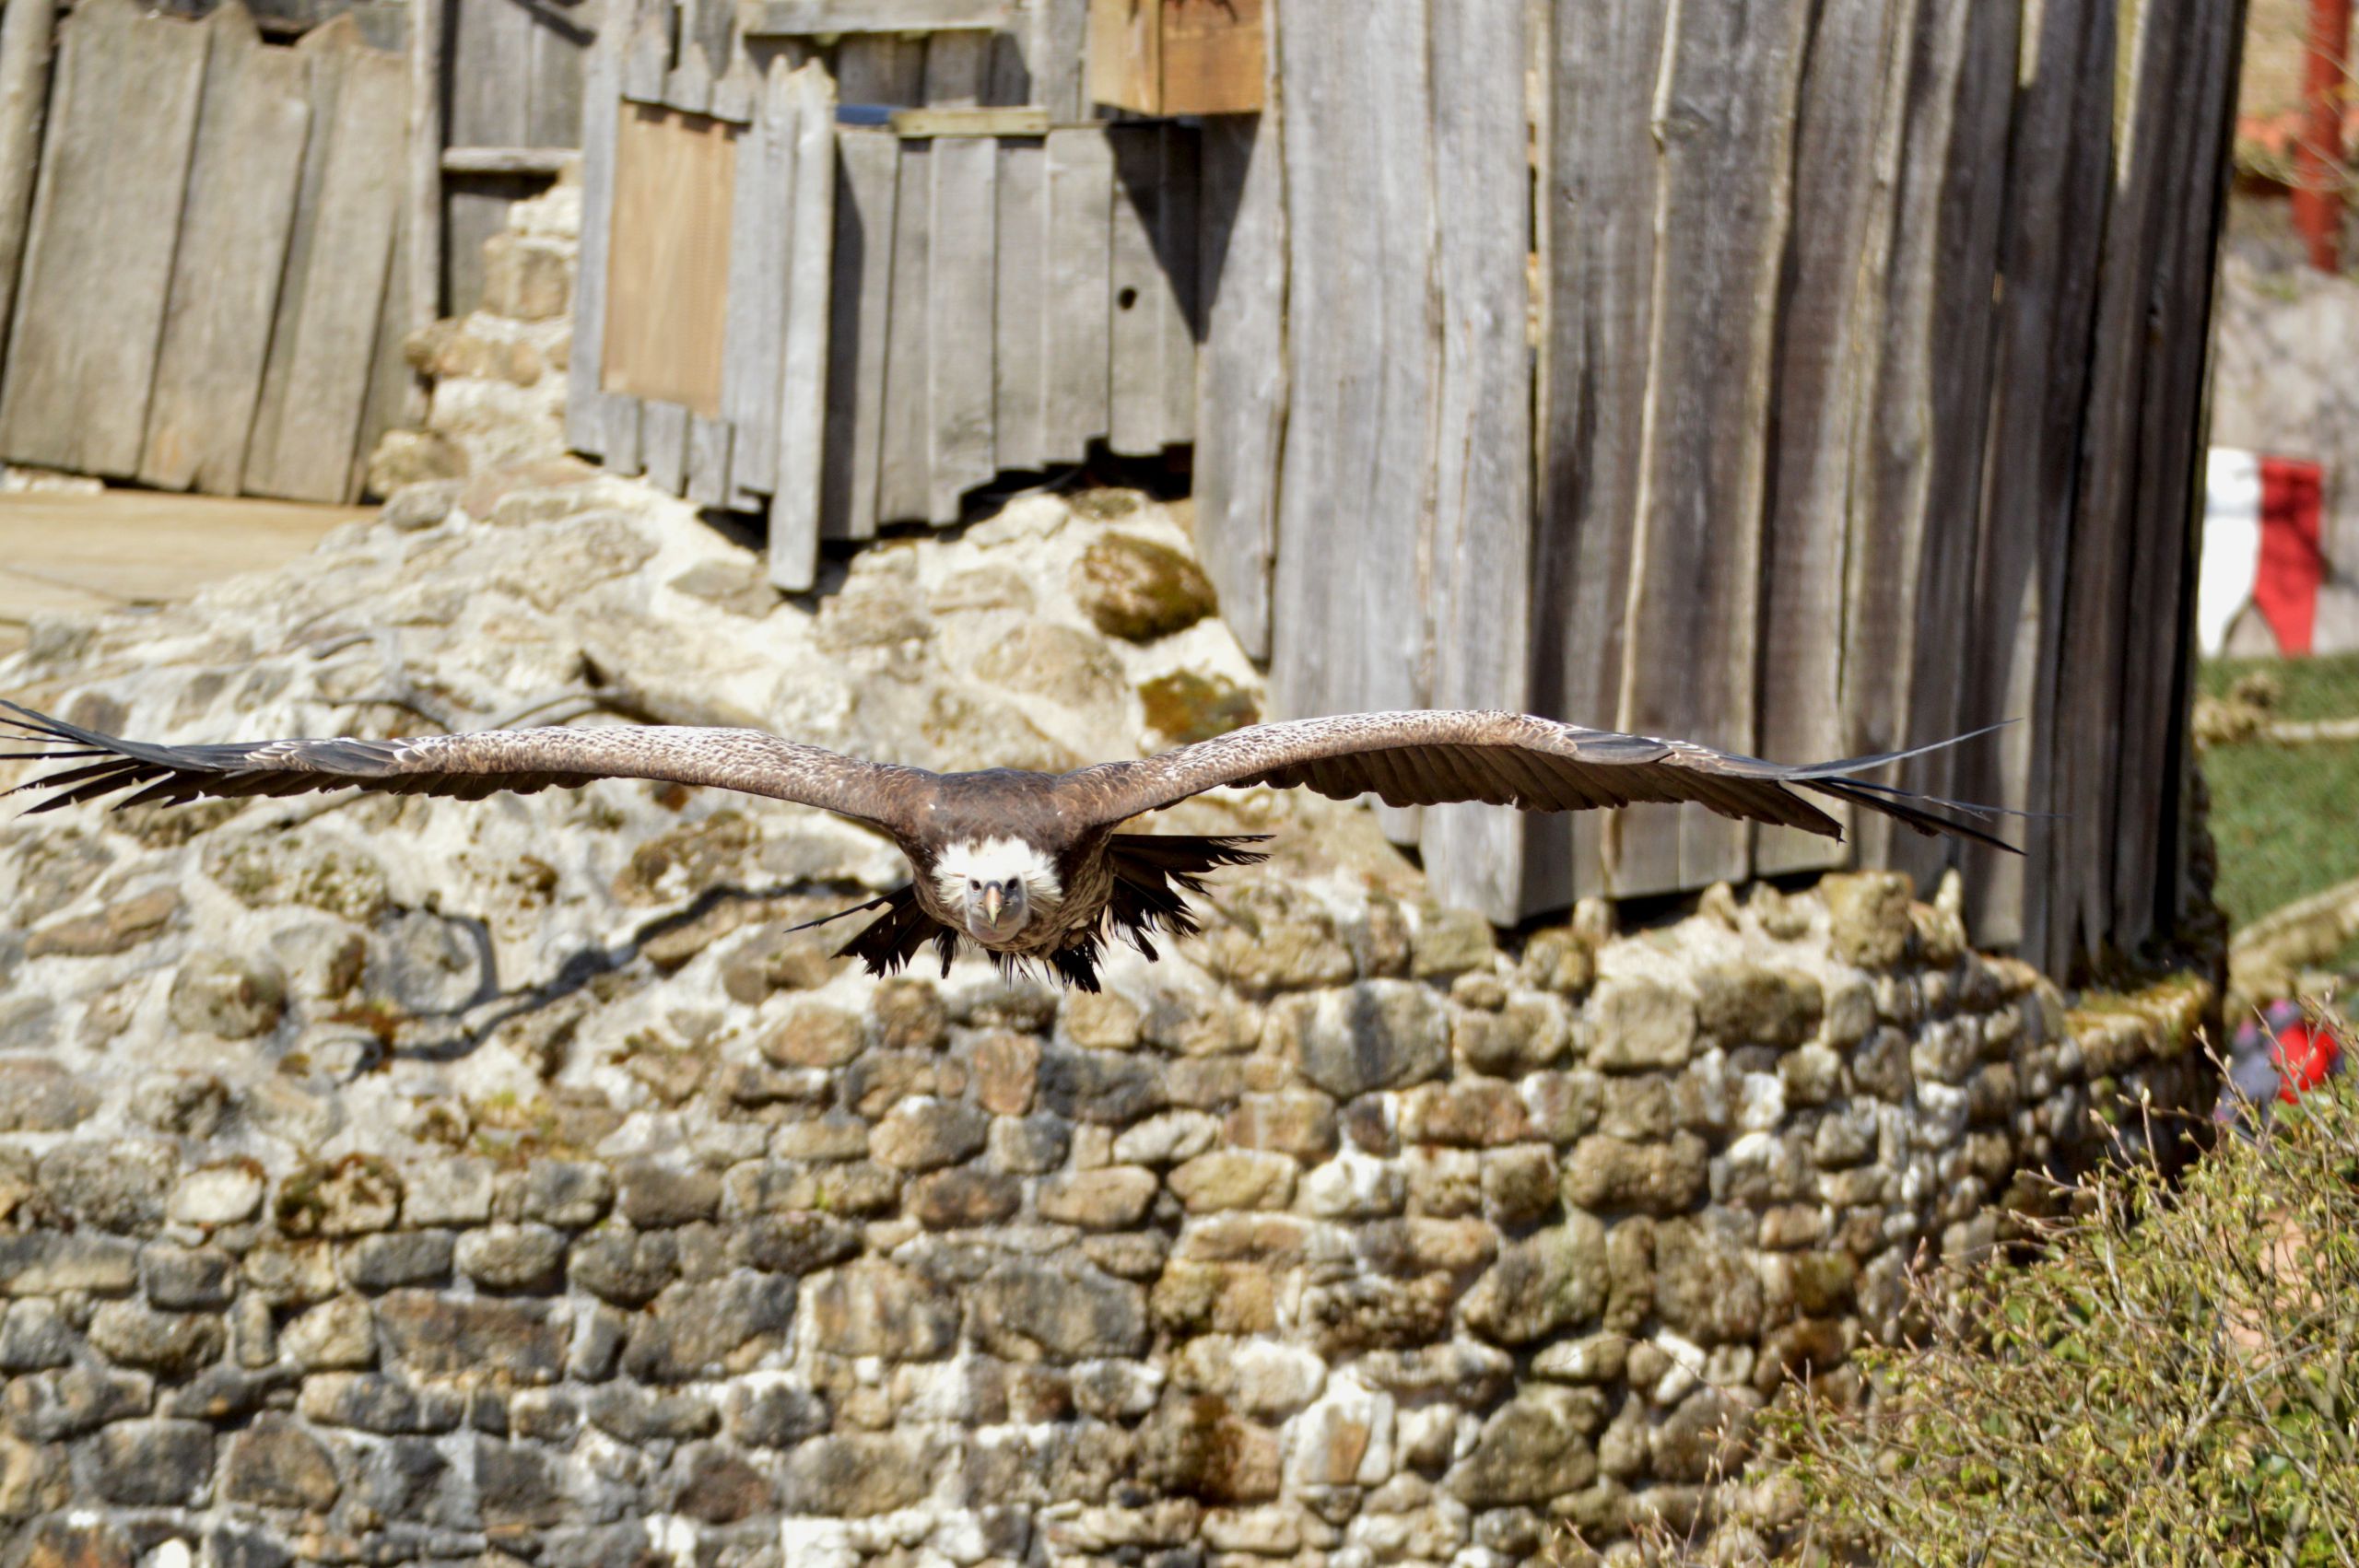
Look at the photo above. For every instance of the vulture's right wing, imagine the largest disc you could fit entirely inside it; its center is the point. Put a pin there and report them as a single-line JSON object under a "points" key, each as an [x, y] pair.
{"points": [[1427, 757]]}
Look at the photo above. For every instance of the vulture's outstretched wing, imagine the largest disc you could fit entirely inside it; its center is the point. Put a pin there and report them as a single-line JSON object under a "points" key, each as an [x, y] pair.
{"points": [[468, 767], [1427, 758]]}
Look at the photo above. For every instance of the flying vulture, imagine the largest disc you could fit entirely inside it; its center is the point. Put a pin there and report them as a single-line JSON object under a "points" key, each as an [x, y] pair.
{"points": [[1032, 867]]}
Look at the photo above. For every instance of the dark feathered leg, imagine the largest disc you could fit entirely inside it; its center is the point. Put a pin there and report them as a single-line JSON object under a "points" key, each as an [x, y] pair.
{"points": [[892, 940]]}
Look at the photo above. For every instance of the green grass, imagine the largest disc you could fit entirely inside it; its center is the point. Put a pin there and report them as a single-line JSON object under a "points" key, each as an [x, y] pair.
{"points": [[2286, 818]]}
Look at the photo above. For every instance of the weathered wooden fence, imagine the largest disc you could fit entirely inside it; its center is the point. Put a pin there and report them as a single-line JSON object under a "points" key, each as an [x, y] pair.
{"points": [[895, 314], [1861, 408], [209, 296]]}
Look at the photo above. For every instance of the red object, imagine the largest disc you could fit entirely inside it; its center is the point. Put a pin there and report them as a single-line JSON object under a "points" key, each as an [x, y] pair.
{"points": [[2285, 585], [2304, 1058], [2317, 156]]}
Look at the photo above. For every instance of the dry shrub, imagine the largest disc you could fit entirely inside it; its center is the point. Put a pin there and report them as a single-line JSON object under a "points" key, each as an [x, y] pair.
{"points": [[2175, 1380]]}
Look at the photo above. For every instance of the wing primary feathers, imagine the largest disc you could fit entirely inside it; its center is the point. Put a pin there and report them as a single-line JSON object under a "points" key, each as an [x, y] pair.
{"points": [[876, 903]]}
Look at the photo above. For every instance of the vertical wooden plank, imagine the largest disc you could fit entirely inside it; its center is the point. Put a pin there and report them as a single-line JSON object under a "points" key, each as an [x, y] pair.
{"points": [[1126, 54], [1241, 409], [868, 165], [754, 359], [429, 38], [956, 63], [585, 411], [2169, 628], [491, 67], [1846, 143], [1917, 469], [688, 88], [961, 284], [1725, 116], [2059, 153], [713, 25], [1081, 202], [1481, 526], [1135, 392], [708, 461], [802, 403], [1177, 306], [27, 35], [99, 259], [647, 54], [881, 68], [389, 398], [1059, 59], [905, 462], [314, 394], [557, 91], [622, 437], [1020, 334], [234, 230], [663, 436], [1601, 196], [1007, 70], [1355, 496]]}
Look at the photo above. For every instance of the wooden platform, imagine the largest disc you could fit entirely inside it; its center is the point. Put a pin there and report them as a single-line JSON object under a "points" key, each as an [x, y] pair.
{"points": [[66, 554]]}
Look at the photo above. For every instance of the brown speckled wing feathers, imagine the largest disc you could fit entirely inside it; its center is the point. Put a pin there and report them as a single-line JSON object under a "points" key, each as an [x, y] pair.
{"points": [[1430, 757], [467, 766]]}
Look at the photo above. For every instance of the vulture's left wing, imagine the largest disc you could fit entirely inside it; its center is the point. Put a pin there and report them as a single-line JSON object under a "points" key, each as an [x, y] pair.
{"points": [[467, 766], [1430, 757]]}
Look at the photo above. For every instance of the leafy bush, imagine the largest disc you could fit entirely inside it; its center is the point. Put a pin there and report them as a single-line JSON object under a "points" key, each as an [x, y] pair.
{"points": [[2175, 1379]]}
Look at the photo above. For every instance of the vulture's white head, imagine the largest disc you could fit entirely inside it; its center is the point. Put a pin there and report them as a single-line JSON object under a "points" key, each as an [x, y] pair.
{"points": [[999, 885]]}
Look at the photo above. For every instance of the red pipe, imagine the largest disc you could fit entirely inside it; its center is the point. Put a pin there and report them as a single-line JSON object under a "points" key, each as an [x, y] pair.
{"points": [[2318, 154]]}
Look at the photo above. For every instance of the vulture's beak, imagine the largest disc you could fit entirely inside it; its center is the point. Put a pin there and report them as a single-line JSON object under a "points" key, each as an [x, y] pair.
{"points": [[995, 900]]}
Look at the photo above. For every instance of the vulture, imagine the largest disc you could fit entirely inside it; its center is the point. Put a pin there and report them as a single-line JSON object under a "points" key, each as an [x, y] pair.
{"points": [[1034, 868]]}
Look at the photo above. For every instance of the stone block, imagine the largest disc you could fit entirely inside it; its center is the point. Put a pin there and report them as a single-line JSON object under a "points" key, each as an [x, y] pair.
{"points": [[337, 1335], [1542, 1286], [454, 1190], [379, 1263], [859, 1475], [1233, 1178], [153, 1463], [438, 1336], [49, 1407], [1537, 1446], [569, 1194], [698, 1330], [1030, 1311], [216, 1194], [657, 1196], [172, 1344], [1374, 1034], [1602, 1172], [40, 1095], [1114, 1197], [513, 1258], [47, 1263], [117, 1185], [876, 1308], [924, 1133], [1637, 1025], [1869, 916], [1007, 1069], [273, 1463]]}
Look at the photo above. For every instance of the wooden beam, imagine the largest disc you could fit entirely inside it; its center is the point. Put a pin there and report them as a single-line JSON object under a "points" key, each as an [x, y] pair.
{"points": [[760, 19], [970, 122], [529, 161]]}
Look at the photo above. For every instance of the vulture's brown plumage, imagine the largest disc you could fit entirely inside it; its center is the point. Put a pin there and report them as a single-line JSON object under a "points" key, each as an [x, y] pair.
{"points": [[1030, 866]]}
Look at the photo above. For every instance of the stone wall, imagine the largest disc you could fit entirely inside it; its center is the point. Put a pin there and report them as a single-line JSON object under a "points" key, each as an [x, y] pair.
{"points": [[391, 1181]]}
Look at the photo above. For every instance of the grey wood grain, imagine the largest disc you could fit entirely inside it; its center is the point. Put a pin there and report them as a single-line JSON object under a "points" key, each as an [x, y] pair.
{"points": [[1331, 359], [1845, 139], [868, 165], [1178, 308], [754, 358], [708, 461], [429, 38], [1726, 122], [1242, 407], [1135, 387], [234, 230], [389, 399], [1481, 575], [738, 91], [688, 88], [1599, 195], [957, 65], [905, 463], [313, 396], [585, 411], [1915, 527], [623, 439], [491, 71], [647, 55], [961, 287], [99, 257], [663, 440], [1019, 326], [2058, 160], [880, 69], [562, 38], [1059, 56], [28, 33], [802, 402], [1081, 202]]}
